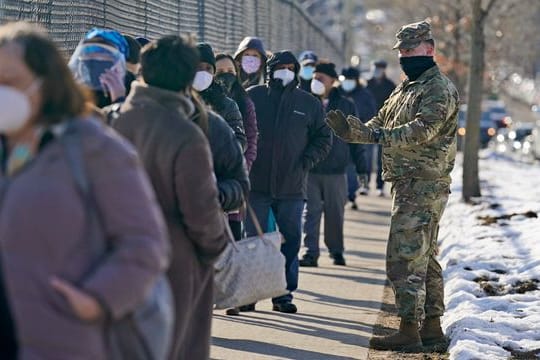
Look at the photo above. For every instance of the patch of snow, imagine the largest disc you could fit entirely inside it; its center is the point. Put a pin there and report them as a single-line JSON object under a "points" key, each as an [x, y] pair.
{"points": [[497, 257]]}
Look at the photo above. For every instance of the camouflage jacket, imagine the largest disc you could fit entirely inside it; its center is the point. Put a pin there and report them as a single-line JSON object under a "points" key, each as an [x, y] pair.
{"points": [[418, 125]]}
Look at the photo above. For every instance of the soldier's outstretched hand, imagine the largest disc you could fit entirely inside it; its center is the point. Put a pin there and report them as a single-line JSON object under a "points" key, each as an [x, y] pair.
{"points": [[359, 132], [337, 121]]}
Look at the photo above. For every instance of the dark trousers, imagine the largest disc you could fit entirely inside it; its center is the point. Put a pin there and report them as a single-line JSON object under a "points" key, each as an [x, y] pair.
{"points": [[380, 181], [352, 182], [326, 194], [369, 152], [288, 214]]}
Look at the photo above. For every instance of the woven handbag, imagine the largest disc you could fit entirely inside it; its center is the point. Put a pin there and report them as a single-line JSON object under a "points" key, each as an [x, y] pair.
{"points": [[250, 270]]}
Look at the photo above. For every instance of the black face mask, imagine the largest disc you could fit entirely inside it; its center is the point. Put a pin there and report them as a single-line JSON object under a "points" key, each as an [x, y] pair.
{"points": [[227, 80], [415, 66]]}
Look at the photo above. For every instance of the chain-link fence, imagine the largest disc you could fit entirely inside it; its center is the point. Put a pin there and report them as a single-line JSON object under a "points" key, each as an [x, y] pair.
{"points": [[281, 24]]}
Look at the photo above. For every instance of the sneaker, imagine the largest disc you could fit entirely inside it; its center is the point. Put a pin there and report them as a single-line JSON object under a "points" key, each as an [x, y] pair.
{"points": [[308, 261], [285, 307], [339, 259], [354, 206], [381, 193], [364, 191], [233, 312]]}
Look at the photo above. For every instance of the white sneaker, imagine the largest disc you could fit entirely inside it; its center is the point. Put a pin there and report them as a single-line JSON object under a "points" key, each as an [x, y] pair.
{"points": [[363, 191], [381, 193]]}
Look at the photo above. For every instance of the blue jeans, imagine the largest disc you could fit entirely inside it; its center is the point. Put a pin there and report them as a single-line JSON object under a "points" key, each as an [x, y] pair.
{"points": [[288, 214]]}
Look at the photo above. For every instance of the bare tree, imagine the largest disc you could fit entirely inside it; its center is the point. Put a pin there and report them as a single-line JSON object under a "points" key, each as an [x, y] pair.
{"points": [[471, 183]]}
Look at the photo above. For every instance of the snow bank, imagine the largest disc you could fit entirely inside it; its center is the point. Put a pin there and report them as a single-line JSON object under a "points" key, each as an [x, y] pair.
{"points": [[492, 265]]}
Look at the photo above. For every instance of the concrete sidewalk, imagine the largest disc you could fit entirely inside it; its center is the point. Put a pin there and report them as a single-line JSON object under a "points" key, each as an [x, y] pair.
{"points": [[337, 306]]}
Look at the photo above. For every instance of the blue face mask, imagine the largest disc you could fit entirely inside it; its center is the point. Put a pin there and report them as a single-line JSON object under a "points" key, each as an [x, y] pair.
{"points": [[306, 72], [348, 85]]}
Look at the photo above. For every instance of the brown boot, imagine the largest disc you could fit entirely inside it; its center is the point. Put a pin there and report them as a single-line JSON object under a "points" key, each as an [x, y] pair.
{"points": [[407, 339], [432, 334]]}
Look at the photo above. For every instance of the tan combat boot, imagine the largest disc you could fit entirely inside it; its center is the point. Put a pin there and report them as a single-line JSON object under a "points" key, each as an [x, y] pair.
{"points": [[407, 339], [432, 334]]}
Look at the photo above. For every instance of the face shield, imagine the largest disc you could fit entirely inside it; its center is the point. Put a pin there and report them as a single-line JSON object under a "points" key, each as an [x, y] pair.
{"points": [[91, 60]]}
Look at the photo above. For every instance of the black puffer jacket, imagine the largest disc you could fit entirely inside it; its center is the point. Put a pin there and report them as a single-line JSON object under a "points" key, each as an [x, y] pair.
{"points": [[229, 164], [293, 138], [341, 153], [227, 109]]}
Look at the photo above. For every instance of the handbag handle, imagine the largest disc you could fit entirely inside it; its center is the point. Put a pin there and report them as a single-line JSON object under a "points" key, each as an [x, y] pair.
{"points": [[256, 222]]}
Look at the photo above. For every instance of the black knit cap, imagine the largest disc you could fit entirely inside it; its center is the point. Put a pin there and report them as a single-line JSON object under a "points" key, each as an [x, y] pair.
{"points": [[351, 73], [327, 68], [134, 49], [380, 64], [282, 57], [206, 54]]}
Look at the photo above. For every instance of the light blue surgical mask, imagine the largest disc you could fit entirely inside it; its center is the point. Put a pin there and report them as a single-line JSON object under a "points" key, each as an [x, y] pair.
{"points": [[348, 85], [306, 72]]}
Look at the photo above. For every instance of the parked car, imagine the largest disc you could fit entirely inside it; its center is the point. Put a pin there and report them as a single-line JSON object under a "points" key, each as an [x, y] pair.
{"points": [[498, 113]]}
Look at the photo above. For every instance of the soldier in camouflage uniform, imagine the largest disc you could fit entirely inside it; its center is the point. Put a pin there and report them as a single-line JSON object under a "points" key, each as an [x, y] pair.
{"points": [[417, 129]]}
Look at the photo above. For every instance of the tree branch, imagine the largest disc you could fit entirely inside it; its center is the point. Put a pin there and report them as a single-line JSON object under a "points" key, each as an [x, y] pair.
{"points": [[485, 12]]}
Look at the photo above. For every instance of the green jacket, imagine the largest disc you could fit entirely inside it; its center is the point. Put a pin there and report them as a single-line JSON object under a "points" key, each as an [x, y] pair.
{"points": [[418, 125]]}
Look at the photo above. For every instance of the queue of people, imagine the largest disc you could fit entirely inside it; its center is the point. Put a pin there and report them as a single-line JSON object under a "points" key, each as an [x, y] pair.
{"points": [[176, 142]]}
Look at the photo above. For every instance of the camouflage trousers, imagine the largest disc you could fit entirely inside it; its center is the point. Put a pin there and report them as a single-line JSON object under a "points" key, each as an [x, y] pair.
{"points": [[411, 264]]}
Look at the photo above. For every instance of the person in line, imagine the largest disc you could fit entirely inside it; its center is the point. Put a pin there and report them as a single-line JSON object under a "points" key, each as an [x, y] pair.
{"points": [[227, 75], [327, 181], [132, 61], [381, 87], [67, 276], [228, 159], [251, 59], [99, 63], [352, 88], [417, 128], [293, 139], [307, 60], [214, 95], [156, 118]]}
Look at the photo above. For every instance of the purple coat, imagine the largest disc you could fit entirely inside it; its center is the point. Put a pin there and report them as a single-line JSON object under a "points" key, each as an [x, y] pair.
{"points": [[43, 233], [252, 133]]}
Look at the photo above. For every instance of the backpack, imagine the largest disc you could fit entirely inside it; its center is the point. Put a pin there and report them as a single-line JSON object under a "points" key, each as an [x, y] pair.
{"points": [[146, 333]]}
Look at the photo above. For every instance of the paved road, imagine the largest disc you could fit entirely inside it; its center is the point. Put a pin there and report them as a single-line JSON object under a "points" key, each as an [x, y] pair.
{"points": [[337, 305]]}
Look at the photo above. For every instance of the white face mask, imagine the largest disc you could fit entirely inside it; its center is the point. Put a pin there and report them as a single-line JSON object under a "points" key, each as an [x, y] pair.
{"points": [[16, 107], [251, 64], [202, 81], [317, 87], [285, 75], [348, 85]]}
